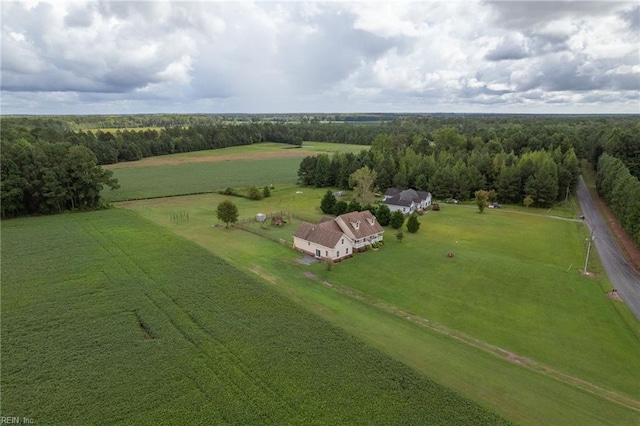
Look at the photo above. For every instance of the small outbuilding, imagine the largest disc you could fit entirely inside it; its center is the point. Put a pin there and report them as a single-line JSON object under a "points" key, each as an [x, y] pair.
{"points": [[261, 217]]}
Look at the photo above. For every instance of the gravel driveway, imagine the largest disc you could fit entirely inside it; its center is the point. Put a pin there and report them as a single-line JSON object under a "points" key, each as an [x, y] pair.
{"points": [[623, 277]]}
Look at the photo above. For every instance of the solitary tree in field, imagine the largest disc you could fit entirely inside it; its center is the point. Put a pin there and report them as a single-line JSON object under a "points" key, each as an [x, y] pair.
{"points": [[227, 212], [397, 219], [413, 224], [482, 199], [399, 236], [528, 200], [266, 192]]}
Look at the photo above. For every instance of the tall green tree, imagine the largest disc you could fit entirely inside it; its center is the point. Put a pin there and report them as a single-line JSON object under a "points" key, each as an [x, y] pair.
{"points": [[227, 212], [482, 199], [328, 202], [362, 181], [449, 139], [340, 208], [413, 224], [383, 215], [543, 185], [397, 219]]}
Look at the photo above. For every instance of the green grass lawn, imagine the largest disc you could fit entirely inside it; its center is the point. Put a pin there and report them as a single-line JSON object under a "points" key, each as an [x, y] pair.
{"points": [[513, 283], [108, 318]]}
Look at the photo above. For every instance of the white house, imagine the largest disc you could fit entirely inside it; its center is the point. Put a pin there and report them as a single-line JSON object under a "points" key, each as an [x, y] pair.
{"points": [[406, 201], [338, 238]]}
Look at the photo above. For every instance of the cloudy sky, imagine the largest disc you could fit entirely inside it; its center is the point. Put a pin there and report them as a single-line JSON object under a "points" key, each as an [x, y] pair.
{"points": [[264, 57]]}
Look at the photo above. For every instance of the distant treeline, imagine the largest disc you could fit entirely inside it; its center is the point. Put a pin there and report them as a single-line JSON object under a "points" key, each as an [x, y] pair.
{"points": [[449, 154], [131, 145], [449, 167], [621, 191], [590, 136]]}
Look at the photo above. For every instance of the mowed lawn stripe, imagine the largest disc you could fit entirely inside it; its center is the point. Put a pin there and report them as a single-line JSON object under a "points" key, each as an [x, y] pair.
{"points": [[108, 318]]}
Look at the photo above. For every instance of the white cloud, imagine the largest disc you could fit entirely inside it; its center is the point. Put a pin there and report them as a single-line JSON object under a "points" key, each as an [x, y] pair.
{"points": [[114, 56]]}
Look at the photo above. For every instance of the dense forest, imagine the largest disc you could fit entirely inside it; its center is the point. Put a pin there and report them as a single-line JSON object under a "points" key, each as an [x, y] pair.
{"points": [[451, 155], [44, 178], [448, 169]]}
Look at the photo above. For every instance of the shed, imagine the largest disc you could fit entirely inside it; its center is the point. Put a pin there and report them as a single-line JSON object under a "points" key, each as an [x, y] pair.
{"points": [[261, 217]]}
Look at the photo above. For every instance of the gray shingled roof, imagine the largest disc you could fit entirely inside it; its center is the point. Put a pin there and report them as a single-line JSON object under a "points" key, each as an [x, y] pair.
{"points": [[404, 198]]}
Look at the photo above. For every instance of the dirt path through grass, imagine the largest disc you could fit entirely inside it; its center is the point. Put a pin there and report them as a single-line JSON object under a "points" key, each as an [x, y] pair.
{"points": [[528, 363]]}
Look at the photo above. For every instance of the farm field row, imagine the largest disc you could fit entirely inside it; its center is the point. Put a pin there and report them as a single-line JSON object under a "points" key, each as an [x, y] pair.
{"points": [[108, 318], [513, 283], [258, 151], [207, 171]]}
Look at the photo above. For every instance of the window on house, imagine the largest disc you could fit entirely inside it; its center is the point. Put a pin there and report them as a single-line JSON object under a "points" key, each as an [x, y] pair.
{"points": [[338, 254], [326, 253], [343, 241], [308, 243], [347, 251]]}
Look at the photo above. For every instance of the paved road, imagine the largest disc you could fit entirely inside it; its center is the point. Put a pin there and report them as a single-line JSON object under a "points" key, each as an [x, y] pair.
{"points": [[623, 277]]}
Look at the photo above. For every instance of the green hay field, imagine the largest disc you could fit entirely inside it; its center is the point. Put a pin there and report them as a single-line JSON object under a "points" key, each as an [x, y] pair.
{"points": [[108, 318], [258, 164], [194, 178], [513, 284]]}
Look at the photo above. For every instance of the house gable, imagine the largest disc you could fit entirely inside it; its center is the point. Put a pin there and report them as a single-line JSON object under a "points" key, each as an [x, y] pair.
{"points": [[340, 237], [359, 225]]}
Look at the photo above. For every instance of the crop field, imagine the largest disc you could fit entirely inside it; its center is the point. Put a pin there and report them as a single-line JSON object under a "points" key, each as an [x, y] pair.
{"points": [[163, 181], [508, 321], [207, 171], [162, 311], [108, 318]]}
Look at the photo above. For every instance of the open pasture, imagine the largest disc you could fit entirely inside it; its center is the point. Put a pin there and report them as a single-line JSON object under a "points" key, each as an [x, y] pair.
{"points": [[108, 318], [513, 283]]}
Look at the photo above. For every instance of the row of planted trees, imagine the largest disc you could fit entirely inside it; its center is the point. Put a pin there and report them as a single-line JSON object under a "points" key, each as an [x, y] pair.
{"points": [[449, 170]]}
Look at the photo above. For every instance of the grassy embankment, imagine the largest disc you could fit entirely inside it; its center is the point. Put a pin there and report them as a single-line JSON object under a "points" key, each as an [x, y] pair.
{"points": [[108, 318]]}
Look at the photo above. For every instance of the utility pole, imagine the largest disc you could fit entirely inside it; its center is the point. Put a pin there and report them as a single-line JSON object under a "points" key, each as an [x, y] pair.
{"points": [[588, 251]]}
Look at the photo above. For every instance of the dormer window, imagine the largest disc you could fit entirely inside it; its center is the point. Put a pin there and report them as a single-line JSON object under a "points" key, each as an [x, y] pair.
{"points": [[372, 220], [356, 225]]}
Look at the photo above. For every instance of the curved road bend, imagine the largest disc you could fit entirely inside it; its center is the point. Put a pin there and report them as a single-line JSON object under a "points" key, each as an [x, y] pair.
{"points": [[623, 277]]}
